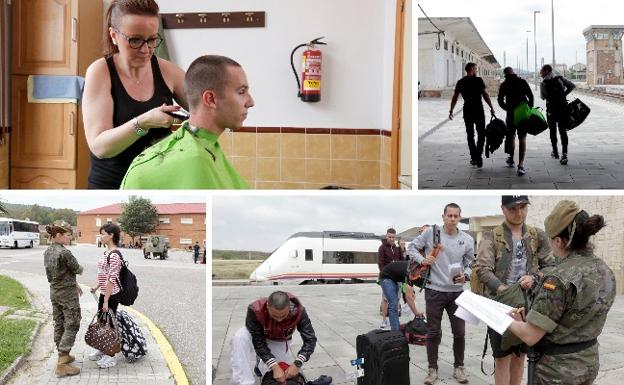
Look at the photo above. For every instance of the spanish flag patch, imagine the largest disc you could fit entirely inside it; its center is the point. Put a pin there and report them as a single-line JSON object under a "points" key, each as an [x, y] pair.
{"points": [[549, 284]]}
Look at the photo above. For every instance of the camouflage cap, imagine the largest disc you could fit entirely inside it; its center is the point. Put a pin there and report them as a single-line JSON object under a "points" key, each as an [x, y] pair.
{"points": [[63, 224], [560, 217]]}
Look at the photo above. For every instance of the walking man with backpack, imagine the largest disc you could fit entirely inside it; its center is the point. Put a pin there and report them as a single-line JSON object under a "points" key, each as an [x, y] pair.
{"points": [[448, 274], [554, 90], [472, 88], [513, 91], [513, 253]]}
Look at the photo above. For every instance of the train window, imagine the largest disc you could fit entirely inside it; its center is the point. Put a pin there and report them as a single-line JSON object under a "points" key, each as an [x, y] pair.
{"points": [[308, 255], [349, 257], [292, 254]]}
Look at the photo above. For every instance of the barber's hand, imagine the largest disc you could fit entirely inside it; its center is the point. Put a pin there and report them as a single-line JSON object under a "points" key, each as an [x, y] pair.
{"points": [[78, 290], [156, 117], [278, 374], [460, 278], [292, 371], [501, 289], [517, 314], [526, 281]]}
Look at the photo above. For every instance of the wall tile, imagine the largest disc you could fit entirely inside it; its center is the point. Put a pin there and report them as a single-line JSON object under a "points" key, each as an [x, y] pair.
{"points": [[293, 146], [246, 166], [293, 170], [343, 146], [317, 171], [368, 147], [368, 172], [269, 145], [244, 144], [344, 172], [317, 146], [268, 169]]}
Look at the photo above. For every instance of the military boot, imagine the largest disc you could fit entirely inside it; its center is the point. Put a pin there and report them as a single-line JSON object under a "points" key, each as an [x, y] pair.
{"points": [[68, 359], [65, 369]]}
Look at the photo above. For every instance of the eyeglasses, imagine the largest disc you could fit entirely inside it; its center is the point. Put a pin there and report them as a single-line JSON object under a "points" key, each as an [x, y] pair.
{"points": [[137, 42]]}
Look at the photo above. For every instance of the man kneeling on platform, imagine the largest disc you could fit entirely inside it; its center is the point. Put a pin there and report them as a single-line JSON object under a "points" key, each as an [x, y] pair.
{"points": [[269, 326], [191, 158]]}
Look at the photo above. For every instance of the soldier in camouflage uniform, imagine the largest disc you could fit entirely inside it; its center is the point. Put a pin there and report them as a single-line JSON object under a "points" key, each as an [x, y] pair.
{"points": [[61, 269], [571, 307]]}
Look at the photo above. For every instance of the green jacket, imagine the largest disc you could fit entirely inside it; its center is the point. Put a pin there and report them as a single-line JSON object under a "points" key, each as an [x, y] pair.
{"points": [[493, 264], [61, 268], [183, 160], [571, 306]]}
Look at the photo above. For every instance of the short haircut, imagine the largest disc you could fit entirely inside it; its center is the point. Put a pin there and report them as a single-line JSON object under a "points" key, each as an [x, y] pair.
{"points": [[112, 229], [391, 231], [469, 66], [208, 72], [547, 68], [508, 71], [279, 300], [453, 206]]}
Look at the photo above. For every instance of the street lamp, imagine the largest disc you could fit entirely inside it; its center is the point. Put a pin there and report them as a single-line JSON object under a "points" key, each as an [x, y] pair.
{"points": [[535, 46], [552, 10], [527, 51]]}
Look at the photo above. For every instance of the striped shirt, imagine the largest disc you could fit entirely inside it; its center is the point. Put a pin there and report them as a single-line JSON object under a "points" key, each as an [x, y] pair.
{"points": [[108, 272]]}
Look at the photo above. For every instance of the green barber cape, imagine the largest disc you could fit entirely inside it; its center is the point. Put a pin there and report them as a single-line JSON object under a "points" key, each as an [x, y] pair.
{"points": [[183, 160]]}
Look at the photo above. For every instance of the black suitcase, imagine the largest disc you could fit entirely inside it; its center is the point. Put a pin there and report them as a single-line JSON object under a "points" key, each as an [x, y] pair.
{"points": [[577, 111], [386, 358]]}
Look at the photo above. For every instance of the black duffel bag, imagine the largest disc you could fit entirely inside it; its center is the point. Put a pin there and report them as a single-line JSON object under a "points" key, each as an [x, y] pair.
{"points": [[495, 133], [577, 112]]}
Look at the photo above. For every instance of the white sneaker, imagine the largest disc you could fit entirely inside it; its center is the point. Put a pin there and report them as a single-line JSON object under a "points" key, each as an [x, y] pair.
{"points": [[107, 362], [384, 324], [95, 355]]}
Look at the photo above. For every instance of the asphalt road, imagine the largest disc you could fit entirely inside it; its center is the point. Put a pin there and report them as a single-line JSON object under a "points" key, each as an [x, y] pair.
{"points": [[172, 294]]}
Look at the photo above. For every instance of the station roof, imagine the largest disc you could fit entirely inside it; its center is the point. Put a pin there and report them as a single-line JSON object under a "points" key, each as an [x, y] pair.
{"points": [[465, 32]]}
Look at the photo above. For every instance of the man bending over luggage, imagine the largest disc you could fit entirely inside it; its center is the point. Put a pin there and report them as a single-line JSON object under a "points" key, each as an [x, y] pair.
{"points": [[269, 326], [448, 274], [398, 277]]}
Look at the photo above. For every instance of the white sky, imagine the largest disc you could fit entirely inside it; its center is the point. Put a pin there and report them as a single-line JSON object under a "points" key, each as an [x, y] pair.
{"points": [[87, 200], [503, 25], [264, 222]]}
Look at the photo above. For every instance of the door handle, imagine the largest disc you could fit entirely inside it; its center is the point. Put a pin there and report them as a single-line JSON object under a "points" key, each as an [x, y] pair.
{"points": [[74, 30], [71, 123]]}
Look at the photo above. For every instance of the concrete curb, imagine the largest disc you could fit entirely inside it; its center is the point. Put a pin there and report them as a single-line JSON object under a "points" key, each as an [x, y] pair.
{"points": [[20, 360]]}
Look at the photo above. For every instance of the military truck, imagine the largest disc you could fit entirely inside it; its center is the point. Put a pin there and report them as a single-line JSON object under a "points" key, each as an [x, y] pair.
{"points": [[157, 246]]}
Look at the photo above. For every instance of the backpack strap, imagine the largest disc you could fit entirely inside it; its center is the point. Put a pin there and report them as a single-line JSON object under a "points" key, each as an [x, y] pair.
{"points": [[485, 346]]}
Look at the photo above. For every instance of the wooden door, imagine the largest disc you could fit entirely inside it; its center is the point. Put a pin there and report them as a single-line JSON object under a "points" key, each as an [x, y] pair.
{"points": [[44, 135], [45, 36]]}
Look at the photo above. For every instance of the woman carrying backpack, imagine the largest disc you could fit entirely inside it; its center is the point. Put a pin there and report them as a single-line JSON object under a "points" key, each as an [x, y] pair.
{"points": [[109, 266]]}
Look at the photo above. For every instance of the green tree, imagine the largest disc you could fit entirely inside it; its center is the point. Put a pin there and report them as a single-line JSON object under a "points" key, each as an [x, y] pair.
{"points": [[139, 217]]}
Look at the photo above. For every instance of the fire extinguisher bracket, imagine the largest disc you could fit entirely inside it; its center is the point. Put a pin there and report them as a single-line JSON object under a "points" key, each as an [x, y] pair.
{"points": [[309, 88]]}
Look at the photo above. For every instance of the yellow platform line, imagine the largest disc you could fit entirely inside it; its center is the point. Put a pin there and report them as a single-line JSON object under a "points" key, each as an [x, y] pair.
{"points": [[163, 344]]}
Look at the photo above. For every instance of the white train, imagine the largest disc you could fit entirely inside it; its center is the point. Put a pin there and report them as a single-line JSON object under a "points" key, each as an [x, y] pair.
{"points": [[322, 256]]}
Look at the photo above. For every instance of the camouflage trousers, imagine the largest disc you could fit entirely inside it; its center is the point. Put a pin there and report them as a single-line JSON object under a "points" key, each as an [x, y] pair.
{"points": [[66, 316], [579, 368]]}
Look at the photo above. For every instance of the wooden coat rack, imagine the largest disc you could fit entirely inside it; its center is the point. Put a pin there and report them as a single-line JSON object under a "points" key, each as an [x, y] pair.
{"points": [[249, 19]]}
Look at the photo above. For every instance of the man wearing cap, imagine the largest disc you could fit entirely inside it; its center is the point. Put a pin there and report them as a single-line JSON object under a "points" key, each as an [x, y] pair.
{"points": [[217, 91], [513, 253], [269, 327], [572, 302]]}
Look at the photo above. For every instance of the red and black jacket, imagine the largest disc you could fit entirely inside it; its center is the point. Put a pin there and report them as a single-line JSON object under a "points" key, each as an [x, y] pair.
{"points": [[387, 253], [262, 327]]}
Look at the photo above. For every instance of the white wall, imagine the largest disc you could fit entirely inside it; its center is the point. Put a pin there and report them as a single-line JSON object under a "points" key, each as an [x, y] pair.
{"points": [[357, 62]]}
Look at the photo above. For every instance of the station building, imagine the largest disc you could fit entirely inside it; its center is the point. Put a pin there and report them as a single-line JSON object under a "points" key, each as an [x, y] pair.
{"points": [[604, 54], [445, 46]]}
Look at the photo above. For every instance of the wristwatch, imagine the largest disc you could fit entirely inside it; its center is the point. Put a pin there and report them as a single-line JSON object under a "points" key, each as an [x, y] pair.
{"points": [[138, 129], [298, 363]]}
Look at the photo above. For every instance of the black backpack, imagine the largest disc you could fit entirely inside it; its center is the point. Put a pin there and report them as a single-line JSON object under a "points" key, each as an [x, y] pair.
{"points": [[495, 133], [127, 282], [577, 111]]}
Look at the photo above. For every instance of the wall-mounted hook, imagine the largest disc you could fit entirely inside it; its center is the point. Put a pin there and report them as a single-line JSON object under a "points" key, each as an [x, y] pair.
{"points": [[202, 17], [249, 17], [226, 17], [180, 18]]}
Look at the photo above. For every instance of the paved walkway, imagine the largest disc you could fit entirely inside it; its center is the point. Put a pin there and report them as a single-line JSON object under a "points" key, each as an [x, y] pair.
{"points": [[340, 312], [39, 367], [596, 152]]}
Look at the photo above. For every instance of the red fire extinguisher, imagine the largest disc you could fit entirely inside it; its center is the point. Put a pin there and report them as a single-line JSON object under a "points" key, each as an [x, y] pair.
{"points": [[310, 84]]}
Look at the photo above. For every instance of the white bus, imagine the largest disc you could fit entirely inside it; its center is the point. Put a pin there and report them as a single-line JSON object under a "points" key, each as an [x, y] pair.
{"points": [[16, 233]]}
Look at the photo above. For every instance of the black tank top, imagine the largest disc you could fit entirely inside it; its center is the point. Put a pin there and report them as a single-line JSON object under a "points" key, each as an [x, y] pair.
{"points": [[108, 173]]}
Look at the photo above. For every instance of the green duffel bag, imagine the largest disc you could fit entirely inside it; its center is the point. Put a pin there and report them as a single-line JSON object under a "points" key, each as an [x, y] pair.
{"points": [[513, 297], [535, 124], [521, 112]]}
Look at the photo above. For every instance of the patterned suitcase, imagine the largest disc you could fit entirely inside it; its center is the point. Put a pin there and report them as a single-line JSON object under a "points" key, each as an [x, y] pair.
{"points": [[133, 345]]}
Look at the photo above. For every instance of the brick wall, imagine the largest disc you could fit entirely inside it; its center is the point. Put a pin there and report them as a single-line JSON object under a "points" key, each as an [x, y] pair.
{"points": [[609, 242], [176, 231]]}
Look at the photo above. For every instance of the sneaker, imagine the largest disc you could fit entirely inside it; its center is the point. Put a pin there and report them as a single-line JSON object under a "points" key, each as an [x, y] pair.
{"points": [[460, 375], [95, 355], [384, 324], [554, 154], [432, 376], [480, 162], [510, 162], [107, 362], [521, 171], [564, 159]]}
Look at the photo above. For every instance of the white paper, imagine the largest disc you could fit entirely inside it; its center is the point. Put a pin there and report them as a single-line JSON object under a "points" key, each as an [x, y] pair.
{"points": [[466, 316], [455, 269], [494, 314]]}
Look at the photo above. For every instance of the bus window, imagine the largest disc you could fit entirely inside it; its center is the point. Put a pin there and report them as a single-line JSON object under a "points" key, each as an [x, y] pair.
{"points": [[4, 228]]}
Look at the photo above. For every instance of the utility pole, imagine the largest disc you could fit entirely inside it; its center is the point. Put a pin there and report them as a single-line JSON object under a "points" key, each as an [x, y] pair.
{"points": [[527, 52], [535, 46], [552, 10]]}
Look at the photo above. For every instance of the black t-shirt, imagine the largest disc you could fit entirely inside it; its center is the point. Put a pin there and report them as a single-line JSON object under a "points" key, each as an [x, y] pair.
{"points": [[470, 88], [396, 271]]}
